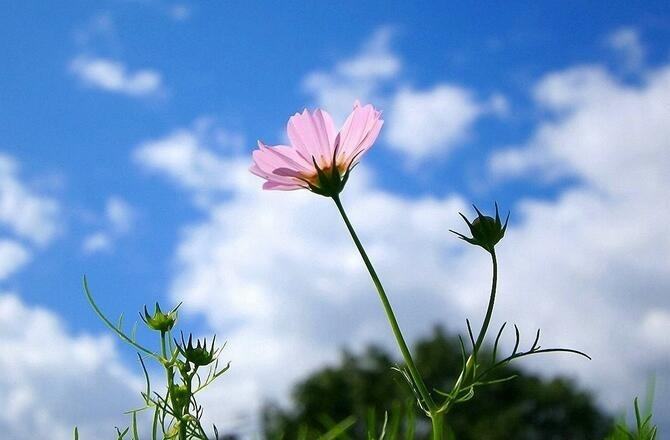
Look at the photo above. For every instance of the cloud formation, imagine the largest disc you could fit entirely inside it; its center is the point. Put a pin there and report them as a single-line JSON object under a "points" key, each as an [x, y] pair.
{"points": [[626, 42], [114, 76], [359, 77], [424, 123], [13, 256], [430, 122], [28, 218], [118, 220], [53, 380], [606, 239]]}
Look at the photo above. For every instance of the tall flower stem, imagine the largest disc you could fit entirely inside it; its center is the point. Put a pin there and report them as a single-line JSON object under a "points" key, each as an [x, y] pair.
{"points": [[471, 363], [413, 371], [492, 299]]}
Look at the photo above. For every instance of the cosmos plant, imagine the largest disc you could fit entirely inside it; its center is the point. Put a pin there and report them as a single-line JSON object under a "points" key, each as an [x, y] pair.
{"points": [[176, 413], [320, 159]]}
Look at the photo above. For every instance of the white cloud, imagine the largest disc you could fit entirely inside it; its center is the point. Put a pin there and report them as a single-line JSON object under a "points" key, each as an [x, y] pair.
{"points": [[606, 241], [119, 218], [180, 156], [113, 76], [611, 134], [423, 123], [656, 328], [120, 214], [359, 77], [376, 61], [431, 122], [53, 380], [179, 12], [23, 210], [626, 41], [13, 256], [97, 242]]}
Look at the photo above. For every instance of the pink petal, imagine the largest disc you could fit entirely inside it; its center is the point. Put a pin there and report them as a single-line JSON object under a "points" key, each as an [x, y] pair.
{"points": [[280, 156], [273, 166], [254, 169], [313, 135], [359, 132], [269, 185]]}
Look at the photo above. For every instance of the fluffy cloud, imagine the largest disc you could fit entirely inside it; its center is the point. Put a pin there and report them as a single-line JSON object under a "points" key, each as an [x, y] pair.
{"points": [[181, 157], [120, 214], [28, 218], [626, 41], [359, 77], [606, 240], [611, 134], [119, 217], [113, 76], [426, 123], [53, 380], [23, 210], [13, 255], [423, 123]]}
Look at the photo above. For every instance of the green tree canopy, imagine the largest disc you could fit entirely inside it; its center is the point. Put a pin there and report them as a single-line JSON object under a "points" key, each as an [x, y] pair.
{"points": [[527, 407]]}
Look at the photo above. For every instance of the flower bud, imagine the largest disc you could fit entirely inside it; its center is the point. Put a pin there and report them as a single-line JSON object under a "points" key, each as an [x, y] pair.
{"points": [[180, 396], [160, 321], [199, 355], [486, 231]]}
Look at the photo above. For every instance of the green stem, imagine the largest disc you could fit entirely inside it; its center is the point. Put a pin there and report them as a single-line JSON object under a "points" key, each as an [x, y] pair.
{"points": [[489, 310], [437, 421], [469, 370], [414, 372], [163, 346], [109, 324], [169, 370]]}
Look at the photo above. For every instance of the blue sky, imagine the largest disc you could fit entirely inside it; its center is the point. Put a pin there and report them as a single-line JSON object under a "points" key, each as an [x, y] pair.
{"points": [[126, 127]]}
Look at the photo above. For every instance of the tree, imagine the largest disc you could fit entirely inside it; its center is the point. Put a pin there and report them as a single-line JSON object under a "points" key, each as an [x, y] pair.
{"points": [[526, 407]]}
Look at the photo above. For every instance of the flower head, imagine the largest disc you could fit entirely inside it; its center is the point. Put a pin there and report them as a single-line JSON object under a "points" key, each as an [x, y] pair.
{"points": [[319, 158], [486, 231]]}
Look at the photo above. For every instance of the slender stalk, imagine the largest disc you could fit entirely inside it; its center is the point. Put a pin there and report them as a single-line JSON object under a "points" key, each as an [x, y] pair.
{"points": [[109, 324], [163, 346], [169, 370], [437, 421], [489, 310], [414, 372], [471, 363]]}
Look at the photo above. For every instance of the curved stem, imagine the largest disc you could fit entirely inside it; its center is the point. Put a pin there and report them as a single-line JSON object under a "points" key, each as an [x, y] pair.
{"points": [[489, 310], [109, 324], [414, 372], [471, 362]]}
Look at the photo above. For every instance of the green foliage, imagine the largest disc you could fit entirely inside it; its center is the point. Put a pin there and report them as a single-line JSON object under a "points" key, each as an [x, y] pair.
{"points": [[364, 386], [644, 429], [176, 411]]}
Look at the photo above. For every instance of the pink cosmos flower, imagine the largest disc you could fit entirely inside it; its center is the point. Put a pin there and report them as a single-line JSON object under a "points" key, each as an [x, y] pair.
{"points": [[319, 158]]}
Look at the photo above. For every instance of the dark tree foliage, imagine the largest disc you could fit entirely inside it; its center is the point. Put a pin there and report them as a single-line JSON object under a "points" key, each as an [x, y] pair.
{"points": [[364, 386]]}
